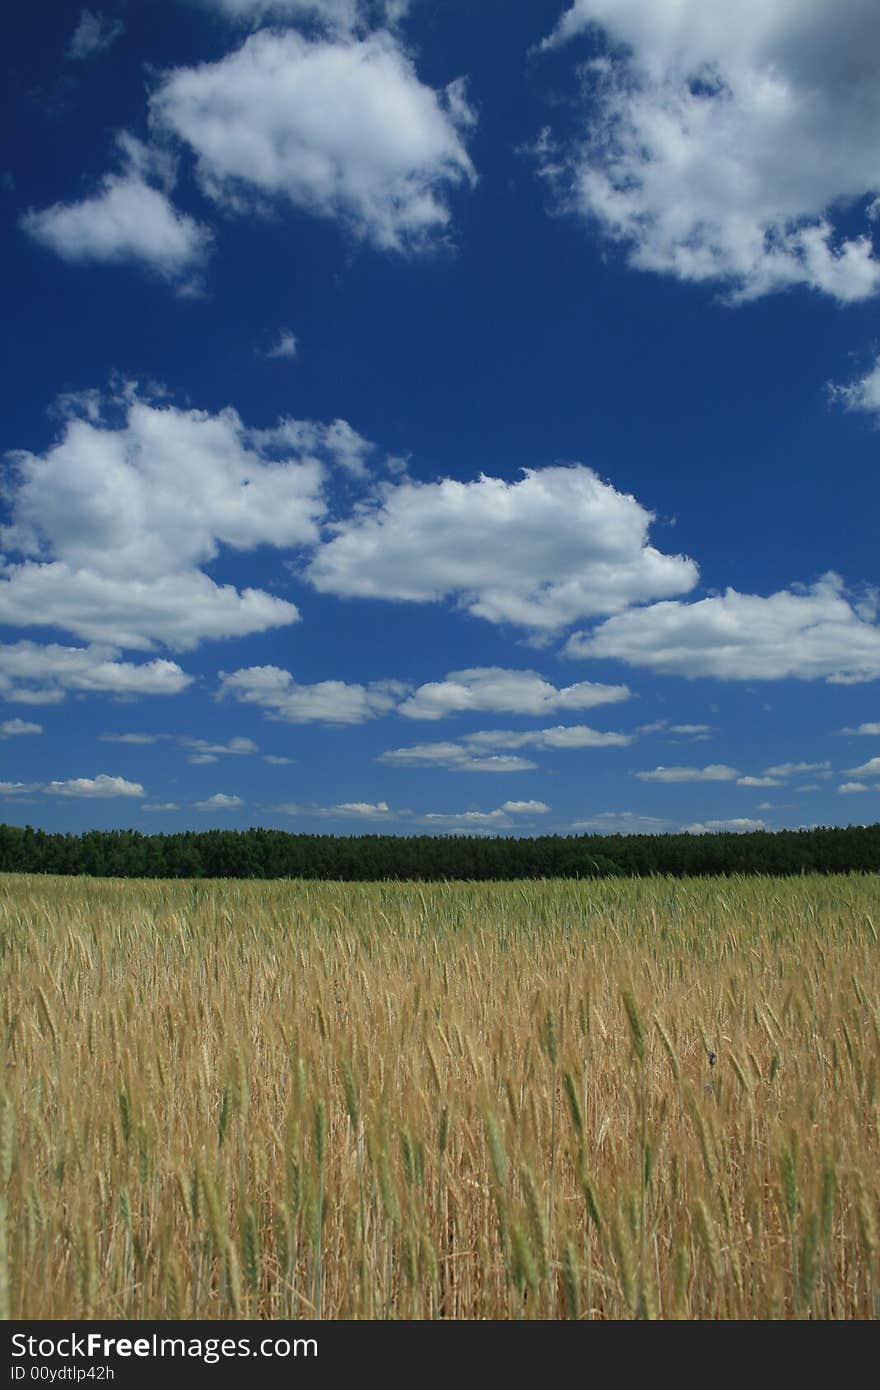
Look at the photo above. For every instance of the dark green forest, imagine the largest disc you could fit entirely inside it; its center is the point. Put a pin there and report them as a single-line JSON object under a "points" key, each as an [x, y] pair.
{"points": [[259, 853]]}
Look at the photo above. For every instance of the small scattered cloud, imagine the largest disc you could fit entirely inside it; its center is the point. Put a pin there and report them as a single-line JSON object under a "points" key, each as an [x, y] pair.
{"points": [[453, 757], [622, 823], [100, 786], [503, 691], [869, 769], [285, 345], [130, 219], [17, 728], [94, 33], [282, 697], [715, 772], [847, 787], [794, 769], [740, 825], [758, 782], [220, 801], [868, 730]]}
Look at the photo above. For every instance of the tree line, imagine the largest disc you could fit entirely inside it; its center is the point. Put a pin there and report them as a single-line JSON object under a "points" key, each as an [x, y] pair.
{"points": [[263, 853]]}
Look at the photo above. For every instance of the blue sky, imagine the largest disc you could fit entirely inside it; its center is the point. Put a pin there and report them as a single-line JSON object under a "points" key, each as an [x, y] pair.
{"points": [[440, 416]]}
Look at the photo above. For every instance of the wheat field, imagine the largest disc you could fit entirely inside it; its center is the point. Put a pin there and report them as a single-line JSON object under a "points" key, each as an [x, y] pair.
{"points": [[595, 1099]]}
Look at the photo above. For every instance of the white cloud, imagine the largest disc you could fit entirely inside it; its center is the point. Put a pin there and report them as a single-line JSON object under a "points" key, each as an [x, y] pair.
{"points": [[715, 772], [129, 218], [100, 786], [563, 736], [337, 16], [794, 769], [37, 674], [623, 823], [724, 141], [869, 769], [160, 806], [345, 810], [453, 757], [695, 731], [220, 801], [18, 728], [847, 787], [871, 730], [277, 760], [363, 808], [758, 782], [329, 702], [135, 740], [741, 824], [285, 344], [862, 395], [503, 691], [116, 519], [343, 128], [525, 808], [93, 34], [815, 633], [466, 819], [556, 546], [472, 754], [237, 747], [17, 788]]}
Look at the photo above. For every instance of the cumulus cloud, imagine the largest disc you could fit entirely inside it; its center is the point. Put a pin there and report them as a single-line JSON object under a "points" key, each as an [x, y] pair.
{"points": [[220, 801], [454, 757], [201, 751], [741, 824], [622, 823], [337, 16], [795, 769], [35, 674], [715, 772], [341, 127], [869, 730], [869, 769], [134, 740], [525, 808], [861, 395], [820, 632], [758, 782], [160, 806], [557, 546], [285, 344], [509, 692], [18, 728], [17, 788], [93, 34], [472, 753], [328, 702], [846, 787], [562, 736], [724, 142], [100, 786], [130, 218], [115, 521]]}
